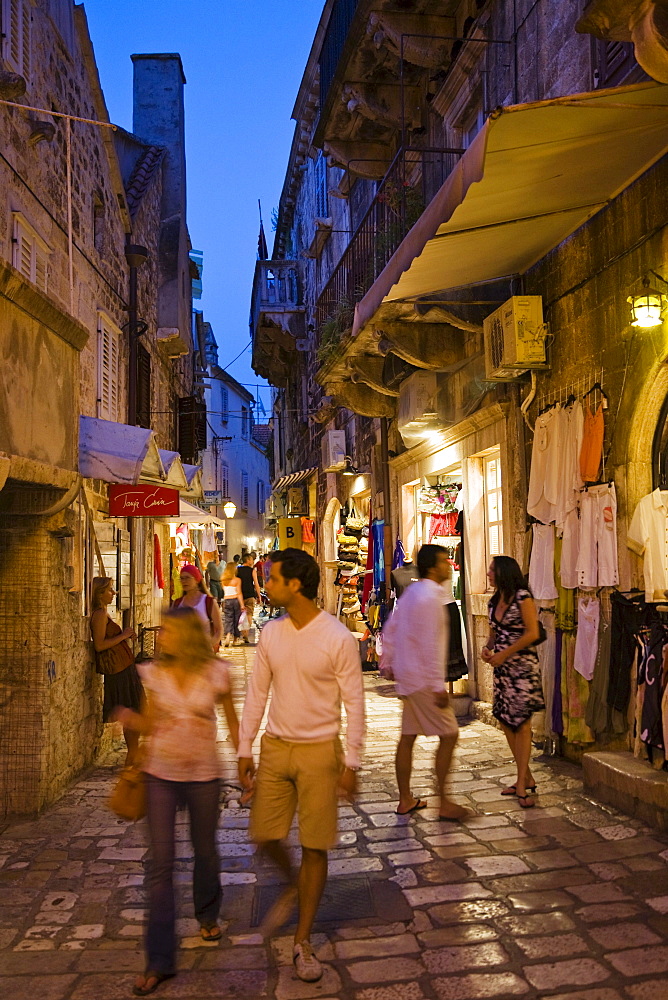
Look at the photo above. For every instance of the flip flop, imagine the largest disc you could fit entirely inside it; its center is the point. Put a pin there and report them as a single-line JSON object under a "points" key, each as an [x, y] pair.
{"points": [[525, 801], [160, 977], [210, 932], [419, 804], [512, 789]]}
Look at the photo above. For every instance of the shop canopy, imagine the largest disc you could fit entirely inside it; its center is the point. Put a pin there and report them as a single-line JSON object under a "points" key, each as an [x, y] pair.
{"points": [[532, 176], [192, 515], [293, 479], [121, 453]]}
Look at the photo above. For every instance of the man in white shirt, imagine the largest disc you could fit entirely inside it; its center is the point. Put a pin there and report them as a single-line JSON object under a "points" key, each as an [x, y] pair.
{"points": [[415, 646], [311, 662]]}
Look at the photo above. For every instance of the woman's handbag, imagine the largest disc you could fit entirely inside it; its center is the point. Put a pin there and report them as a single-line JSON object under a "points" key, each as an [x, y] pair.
{"points": [[128, 799], [244, 624], [114, 660]]}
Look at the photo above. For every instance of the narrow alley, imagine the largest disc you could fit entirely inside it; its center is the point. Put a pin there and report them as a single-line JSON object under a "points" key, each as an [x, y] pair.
{"points": [[568, 900]]}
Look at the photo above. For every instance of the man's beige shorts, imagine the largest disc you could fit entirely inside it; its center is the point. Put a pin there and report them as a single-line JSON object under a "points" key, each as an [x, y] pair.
{"points": [[423, 717], [249, 605], [297, 776]]}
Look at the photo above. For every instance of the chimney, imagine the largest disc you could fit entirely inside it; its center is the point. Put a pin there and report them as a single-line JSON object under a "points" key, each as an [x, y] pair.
{"points": [[158, 118]]}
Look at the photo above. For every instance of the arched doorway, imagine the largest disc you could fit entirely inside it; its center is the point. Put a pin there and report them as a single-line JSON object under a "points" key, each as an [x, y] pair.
{"points": [[330, 524]]}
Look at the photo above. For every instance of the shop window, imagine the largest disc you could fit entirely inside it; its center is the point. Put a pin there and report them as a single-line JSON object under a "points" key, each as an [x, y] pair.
{"points": [[31, 254], [493, 505], [244, 491], [16, 18], [108, 369]]}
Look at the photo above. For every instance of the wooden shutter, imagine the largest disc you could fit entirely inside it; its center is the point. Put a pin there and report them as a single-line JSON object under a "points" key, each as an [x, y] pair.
{"points": [[244, 490], [31, 254], [16, 17], [41, 261], [612, 62], [25, 38], [225, 476], [224, 405], [192, 428], [143, 387], [108, 371]]}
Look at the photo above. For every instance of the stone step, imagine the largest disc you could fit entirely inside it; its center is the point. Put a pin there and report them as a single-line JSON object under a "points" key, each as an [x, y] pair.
{"points": [[628, 784]]}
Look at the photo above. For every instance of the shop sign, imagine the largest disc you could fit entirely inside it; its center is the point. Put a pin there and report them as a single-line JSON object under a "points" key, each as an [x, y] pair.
{"points": [[290, 532], [143, 500], [212, 497]]}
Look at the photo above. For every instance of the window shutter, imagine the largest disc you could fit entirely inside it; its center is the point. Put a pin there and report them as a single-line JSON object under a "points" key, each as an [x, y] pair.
{"points": [[192, 428], [108, 371], [15, 23], [25, 38], [23, 254], [143, 387], [224, 405], [16, 18], [225, 475], [31, 254], [244, 490], [41, 268]]}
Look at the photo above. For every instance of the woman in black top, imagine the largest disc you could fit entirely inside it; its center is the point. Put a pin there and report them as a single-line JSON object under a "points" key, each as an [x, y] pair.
{"points": [[249, 589], [513, 631]]}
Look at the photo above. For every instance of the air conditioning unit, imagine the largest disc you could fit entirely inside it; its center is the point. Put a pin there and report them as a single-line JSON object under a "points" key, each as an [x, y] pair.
{"points": [[417, 412], [334, 451], [515, 338]]}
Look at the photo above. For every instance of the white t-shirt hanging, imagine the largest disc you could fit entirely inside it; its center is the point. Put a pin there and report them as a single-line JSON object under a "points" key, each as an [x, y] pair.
{"points": [[648, 537], [544, 476]]}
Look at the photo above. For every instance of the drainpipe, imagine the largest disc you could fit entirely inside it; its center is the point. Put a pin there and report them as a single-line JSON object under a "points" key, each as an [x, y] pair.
{"points": [[135, 256], [387, 513]]}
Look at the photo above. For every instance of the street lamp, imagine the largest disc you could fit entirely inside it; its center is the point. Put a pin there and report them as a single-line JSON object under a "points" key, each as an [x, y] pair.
{"points": [[350, 469], [647, 307], [230, 509]]}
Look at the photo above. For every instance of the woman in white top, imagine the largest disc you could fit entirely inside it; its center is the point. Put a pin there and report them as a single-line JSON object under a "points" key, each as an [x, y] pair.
{"points": [[197, 597], [233, 603], [181, 767]]}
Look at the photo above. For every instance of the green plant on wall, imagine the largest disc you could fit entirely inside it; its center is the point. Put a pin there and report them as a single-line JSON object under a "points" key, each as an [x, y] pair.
{"points": [[333, 330]]}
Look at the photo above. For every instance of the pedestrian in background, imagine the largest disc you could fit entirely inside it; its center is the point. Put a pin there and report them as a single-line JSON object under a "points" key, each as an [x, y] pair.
{"points": [[197, 597], [250, 590], [311, 663], [122, 687], [415, 649], [213, 571], [232, 603], [181, 768], [518, 692]]}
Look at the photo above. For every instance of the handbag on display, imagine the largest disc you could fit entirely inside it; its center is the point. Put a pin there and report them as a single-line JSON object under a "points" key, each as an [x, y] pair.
{"points": [[128, 799], [114, 660]]}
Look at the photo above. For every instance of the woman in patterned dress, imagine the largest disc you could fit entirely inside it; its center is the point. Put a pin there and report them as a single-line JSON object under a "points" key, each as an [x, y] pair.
{"points": [[513, 632]]}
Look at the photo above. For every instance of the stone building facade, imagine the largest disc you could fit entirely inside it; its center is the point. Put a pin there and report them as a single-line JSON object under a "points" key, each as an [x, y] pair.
{"points": [[75, 192], [402, 107]]}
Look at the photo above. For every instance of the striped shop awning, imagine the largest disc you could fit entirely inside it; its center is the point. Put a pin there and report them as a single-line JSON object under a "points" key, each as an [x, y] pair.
{"points": [[293, 479]]}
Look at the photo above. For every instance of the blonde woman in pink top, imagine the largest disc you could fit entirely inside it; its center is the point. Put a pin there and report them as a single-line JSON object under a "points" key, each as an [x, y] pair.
{"points": [[181, 767]]}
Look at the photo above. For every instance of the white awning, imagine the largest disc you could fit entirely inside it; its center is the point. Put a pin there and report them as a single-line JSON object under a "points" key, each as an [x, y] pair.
{"points": [[121, 453], [190, 514], [532, 176]]}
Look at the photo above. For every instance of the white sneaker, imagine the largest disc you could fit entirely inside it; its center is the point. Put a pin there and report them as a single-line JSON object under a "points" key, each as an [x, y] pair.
{"points": [[307, 966]]}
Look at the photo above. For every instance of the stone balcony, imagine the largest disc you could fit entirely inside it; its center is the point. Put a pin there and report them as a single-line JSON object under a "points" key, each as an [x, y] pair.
{"points": [[277, 319]]}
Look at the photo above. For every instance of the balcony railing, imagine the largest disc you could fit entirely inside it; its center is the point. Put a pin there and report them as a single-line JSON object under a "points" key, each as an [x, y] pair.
{"points": [[413, 179], [275, 288]]}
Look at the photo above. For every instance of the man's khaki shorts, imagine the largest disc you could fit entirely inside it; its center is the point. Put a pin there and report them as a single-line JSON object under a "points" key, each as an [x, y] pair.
{"points": [[422, 716], [249, 604], [297, 776]]}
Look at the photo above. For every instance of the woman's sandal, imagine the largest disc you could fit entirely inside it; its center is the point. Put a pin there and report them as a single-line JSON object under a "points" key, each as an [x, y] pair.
{"points": [[512, 789], [210, 932], [525, 801], [159, 977]]}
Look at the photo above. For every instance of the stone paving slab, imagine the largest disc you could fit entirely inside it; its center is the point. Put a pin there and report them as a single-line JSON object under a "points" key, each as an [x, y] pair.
{"points": [[568, 901]]}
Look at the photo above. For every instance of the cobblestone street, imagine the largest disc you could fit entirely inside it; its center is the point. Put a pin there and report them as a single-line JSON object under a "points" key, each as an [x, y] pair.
{"points": [[569, 899]]}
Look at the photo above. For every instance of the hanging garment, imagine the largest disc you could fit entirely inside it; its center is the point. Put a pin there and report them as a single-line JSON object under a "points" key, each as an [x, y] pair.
{"points": [[627, 618], [546, 652], [399, 556], [308, 534], [599, 716], [597, 560], [544, 475], [443, 524], [586, 643], [368, 575], [648, 537], [651, 674], [569, 479], [457, 666], [574, 696], [157, 564], [565, 614], [541, 565], [570, 549], [591, 453], [378, 534], [176, 590], [208, 539]]}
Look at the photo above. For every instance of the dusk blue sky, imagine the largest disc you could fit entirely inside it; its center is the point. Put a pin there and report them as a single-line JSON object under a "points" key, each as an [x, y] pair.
{"points": [[243, 62]]}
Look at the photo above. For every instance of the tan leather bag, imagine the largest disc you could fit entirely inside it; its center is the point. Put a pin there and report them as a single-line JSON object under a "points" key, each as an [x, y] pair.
{"points": [[128, 799]]}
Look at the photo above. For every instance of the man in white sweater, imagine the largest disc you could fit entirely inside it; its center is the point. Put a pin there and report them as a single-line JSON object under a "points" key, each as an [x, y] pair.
{"points": [[311, 663], [415, 647]]}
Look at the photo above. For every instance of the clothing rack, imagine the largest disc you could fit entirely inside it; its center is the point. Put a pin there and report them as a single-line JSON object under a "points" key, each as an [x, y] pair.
{"points": [[579, 388]]}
